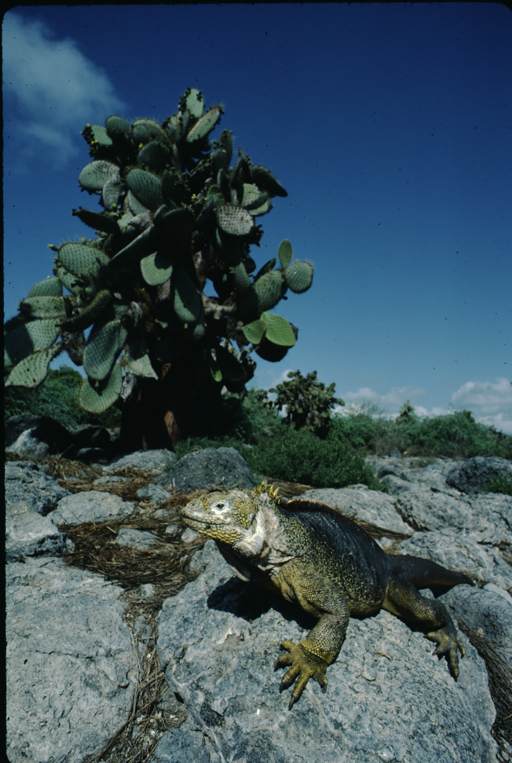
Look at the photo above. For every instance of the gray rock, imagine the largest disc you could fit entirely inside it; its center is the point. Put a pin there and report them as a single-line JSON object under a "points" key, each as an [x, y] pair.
{"points": [[30, 446], [69, 657], [153, 493], [210, 467], [92, 506], [487, 610], [110, 479], [27, 482], [154, 461], [139, 539], [389, 698], [486, 517], [15, 425], [363, 504], [27, 533], [475, 472], [462, 553]]}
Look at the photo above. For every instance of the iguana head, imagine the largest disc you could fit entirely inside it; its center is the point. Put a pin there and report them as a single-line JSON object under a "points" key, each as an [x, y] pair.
{"points": [[245, 522], [223, 516]]}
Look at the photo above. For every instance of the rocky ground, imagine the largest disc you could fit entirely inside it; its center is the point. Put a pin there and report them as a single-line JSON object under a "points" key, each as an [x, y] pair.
{"points": [[129, 638]]}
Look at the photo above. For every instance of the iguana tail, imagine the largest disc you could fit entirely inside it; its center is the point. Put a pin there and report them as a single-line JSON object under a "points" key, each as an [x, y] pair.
{"points": [[423, 573]]}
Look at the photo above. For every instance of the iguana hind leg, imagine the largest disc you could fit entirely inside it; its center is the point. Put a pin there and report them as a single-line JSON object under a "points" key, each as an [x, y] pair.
{"points": [[405, 601]]}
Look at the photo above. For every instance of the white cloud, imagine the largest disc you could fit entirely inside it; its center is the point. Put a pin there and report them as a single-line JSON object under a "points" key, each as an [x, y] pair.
{"points": [[393, 399], [51, 91], [490, 402]]}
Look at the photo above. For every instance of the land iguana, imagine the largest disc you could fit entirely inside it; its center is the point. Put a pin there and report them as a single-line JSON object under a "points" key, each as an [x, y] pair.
{"points": [[314, 555]]}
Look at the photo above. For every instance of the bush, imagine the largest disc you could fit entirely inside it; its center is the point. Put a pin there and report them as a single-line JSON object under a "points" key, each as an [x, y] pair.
{"points": [[499, 485], [455, 434], [301, 456], [55, 397]]}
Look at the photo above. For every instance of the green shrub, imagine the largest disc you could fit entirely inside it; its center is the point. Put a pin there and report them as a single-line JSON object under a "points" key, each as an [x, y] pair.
{"points": [[455, 434], [499, 485], [55, 397]]}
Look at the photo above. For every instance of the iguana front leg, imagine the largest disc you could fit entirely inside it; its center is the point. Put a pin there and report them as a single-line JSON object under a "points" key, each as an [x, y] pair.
{"points": [[310, 658]]}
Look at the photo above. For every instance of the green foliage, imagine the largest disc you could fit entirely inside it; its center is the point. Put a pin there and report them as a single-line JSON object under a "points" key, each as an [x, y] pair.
{"points": [[499, 485], [57, 398], [306, 401], [174, 219], [406, 413], [455, 434], [301, 456]]}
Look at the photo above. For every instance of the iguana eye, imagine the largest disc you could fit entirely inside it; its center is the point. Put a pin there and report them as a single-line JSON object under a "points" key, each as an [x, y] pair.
{"points": [[220, 506]]}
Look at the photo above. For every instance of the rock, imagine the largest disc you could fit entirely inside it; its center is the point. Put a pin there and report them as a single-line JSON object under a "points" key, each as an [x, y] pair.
{"points": [[218, 640], [488, 610], [476, 472], [69, 657], [138, 539], [488, 517], [153, 461], [363, 504], [16, 425], [211, 467], [91, 437], [92, 506], [30, 447], [41, 436], [27, 482], [462, 553], [27, 533], [153, 493]]}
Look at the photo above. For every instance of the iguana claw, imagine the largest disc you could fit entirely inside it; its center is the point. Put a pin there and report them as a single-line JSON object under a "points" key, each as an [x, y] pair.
{"points": [[448, 643], [304, 665]]}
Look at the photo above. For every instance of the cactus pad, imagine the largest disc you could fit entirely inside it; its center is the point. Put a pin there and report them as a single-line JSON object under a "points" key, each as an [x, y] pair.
{"points": [[299, 276], [285, 253], [94, 175], [30, 337], [193, 101], [115, 124], [269, 290], [97, 398], [50, 287], [279, 331], [146, 130], [32, 370], [234, 220], [79, 258], [188, 304], [146, 187], [156, 269], [102, 348], [205, 124], [46, 307]]}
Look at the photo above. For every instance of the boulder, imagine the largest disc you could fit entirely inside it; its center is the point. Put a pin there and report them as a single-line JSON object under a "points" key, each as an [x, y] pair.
{"points": [[28, 482], [389, 698], [91, 506], [27, 534], [69, 662], [211, 467], [475, 472]]}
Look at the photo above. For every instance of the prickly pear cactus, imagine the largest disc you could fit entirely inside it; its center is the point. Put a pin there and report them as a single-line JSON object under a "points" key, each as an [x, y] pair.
{"points": [[175, 223], [307, 403]]}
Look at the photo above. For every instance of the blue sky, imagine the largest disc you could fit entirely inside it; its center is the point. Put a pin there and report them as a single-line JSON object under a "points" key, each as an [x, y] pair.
{"points": [[390, 126]]}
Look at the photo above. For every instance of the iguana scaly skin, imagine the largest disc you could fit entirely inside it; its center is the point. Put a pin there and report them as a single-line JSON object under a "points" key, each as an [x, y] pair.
{"points": [[319, 558]]}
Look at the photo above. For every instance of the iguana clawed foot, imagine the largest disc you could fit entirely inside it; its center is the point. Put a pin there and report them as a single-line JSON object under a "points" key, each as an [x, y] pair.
{"points": [[448, 643], [304, 665]]}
